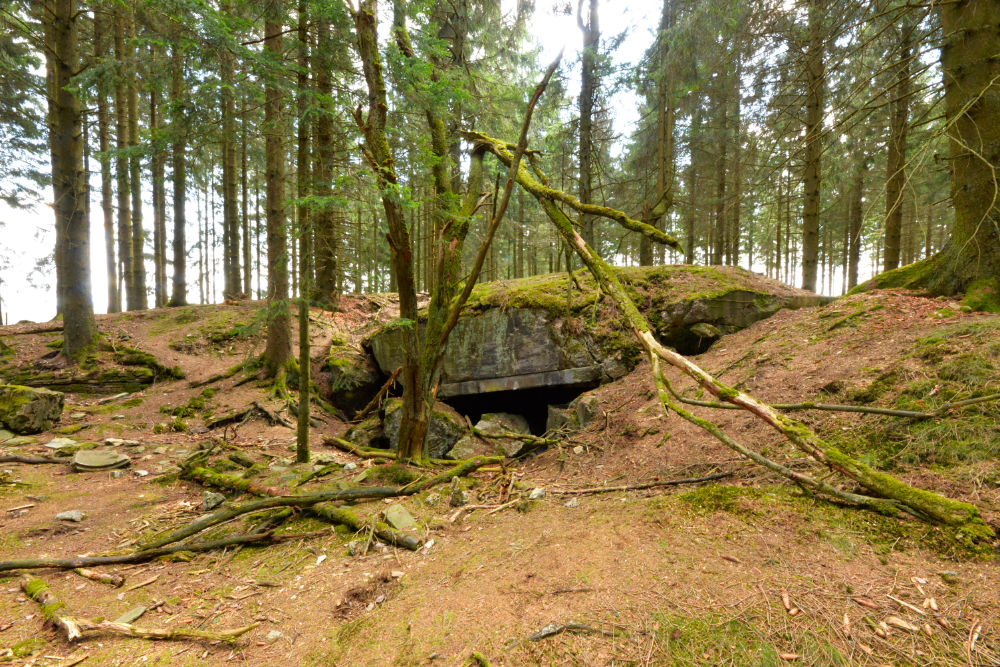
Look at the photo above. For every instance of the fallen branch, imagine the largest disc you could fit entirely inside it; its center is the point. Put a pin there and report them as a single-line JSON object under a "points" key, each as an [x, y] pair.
{"points": [[226, 374], [640, 487], [255, 408], [552, 630], [357, 450], [32, 460], [52, 610], [887, 494], [372, 404], [115, 580], [833, 407], [534, 442]]}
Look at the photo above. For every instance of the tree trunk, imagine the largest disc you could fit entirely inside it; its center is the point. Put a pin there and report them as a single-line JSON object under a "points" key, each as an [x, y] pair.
{"points": [[178, 294], [230, 221], [104, 145], [325, 290], [68, 178], [158, 168], [855, 221], [895, 177], [138, 300], [278, 349], [245, 187], [814, 80], [588, 91], [126, 275]]}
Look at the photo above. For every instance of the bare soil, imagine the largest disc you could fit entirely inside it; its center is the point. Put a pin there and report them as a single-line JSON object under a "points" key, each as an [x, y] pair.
{"points": [[677, 575]]}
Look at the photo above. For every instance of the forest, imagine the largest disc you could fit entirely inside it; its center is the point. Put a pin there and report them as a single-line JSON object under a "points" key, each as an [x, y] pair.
{"points": [[417, 244]]}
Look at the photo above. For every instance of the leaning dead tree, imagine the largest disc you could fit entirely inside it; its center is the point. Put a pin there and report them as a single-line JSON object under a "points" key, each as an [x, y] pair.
{"points": [[878, 491]]}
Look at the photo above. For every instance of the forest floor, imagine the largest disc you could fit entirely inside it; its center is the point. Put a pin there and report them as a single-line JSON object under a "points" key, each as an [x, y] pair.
{"points": [[680, 575]]}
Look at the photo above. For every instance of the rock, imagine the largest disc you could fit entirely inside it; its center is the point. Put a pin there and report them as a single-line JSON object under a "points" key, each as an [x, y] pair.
{"points": [[433, 498], [26, 410], [112, 399], [77, 415], [536, 494], [141, 473], [60, 443], [503, 422], [444, 429], [210, 500], [399, 518], [705, 330], [366, 433], [92, 460], [572, 502], [578, 449], [585, 407], [19, 441], [458, 497], [560, 418], [273, 636], [350, 379], [117, 474], [350, 466], [323, 459], [469, 446], [71, 515], [5, 435], [356, 548]]}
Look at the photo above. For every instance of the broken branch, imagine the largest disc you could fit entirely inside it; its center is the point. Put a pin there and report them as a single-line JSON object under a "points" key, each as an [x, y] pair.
{"points": [[641, 487]]}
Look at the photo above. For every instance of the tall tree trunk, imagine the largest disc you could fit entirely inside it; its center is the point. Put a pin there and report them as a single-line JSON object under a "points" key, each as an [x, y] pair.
{"points": [[178, 293], [139, 300], [245, 203], [324, 291], [895, 177], [104, 144], [719, 233], [68, 178], [814, 81], [230, 221], [278, 349], [855, 221], [126, 274], [158, 169], [588, 91]]}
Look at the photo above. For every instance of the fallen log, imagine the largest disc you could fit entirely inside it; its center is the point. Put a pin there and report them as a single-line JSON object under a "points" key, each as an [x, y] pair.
{"points": [[53, 611], [31, 460], [110, 579]]}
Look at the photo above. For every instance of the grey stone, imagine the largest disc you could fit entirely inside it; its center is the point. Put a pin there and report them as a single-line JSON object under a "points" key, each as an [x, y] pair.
{"points": [[705, 330], [350, 466], [586, 407], [273, 636], [536, 494], [210, 500], [5, 435], [366, 433], [90, 460], [60, 443], [560, 418], [400, 518], [71, 515], [458, 496], [469, 446], [77, 415], [118, 474], [572, 502], [433, 498], [112, 399], [444, 428], [20, 440], [578, 449], [502, 422], [26, 410]]}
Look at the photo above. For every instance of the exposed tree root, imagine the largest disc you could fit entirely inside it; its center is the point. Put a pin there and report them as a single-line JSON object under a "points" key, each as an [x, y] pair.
{"points": [[247, 413], [641, 487], [228, 373], [73, 628], [887, 494], [533, 442]]}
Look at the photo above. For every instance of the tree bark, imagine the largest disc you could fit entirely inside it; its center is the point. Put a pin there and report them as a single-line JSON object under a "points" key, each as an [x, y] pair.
{"points": [[855, 221], [814, 82], [138, 301], [230, 221], [104, 145], [178, 294], [324, 293], [126, 275], [68, 178], [895, 177], [588, 90], [278, 349], [158, 169]]}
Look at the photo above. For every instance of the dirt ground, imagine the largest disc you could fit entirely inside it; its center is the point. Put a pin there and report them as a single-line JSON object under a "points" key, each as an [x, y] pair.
{"points": [[691, 574]]}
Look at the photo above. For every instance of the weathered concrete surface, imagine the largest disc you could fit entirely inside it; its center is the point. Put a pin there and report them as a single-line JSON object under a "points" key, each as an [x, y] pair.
{"points": [[544, 332], [349, 379], [444, 428]]}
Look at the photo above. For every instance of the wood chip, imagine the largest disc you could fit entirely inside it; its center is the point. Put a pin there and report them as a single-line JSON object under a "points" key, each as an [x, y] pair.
{"points": [[866, 649], [789, 656], [912, 607], [785, 600], [927, 629], [943, 622], [847, 624], [932, 603], [897, 622], [732, 559], [865, 602]]}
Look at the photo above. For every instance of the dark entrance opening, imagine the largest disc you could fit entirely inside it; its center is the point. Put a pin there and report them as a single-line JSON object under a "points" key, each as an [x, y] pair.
{"points": [[532, 404]]}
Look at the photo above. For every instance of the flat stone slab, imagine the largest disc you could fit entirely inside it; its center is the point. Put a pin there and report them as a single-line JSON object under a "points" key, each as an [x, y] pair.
{"points": [[585, 376], [90, 460]]}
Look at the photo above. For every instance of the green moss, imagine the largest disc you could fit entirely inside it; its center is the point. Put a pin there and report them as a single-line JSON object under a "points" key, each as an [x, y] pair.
{"points": [[26, 647], [983, 295], [130, 356], [393, 473], [910, 276], [720, 498], [56, 344]]}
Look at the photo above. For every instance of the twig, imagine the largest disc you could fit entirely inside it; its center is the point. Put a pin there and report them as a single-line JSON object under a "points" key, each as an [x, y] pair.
{"points": [[14, 458], [110, 579], [552, 630], [372, 404], [647, 485]]}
